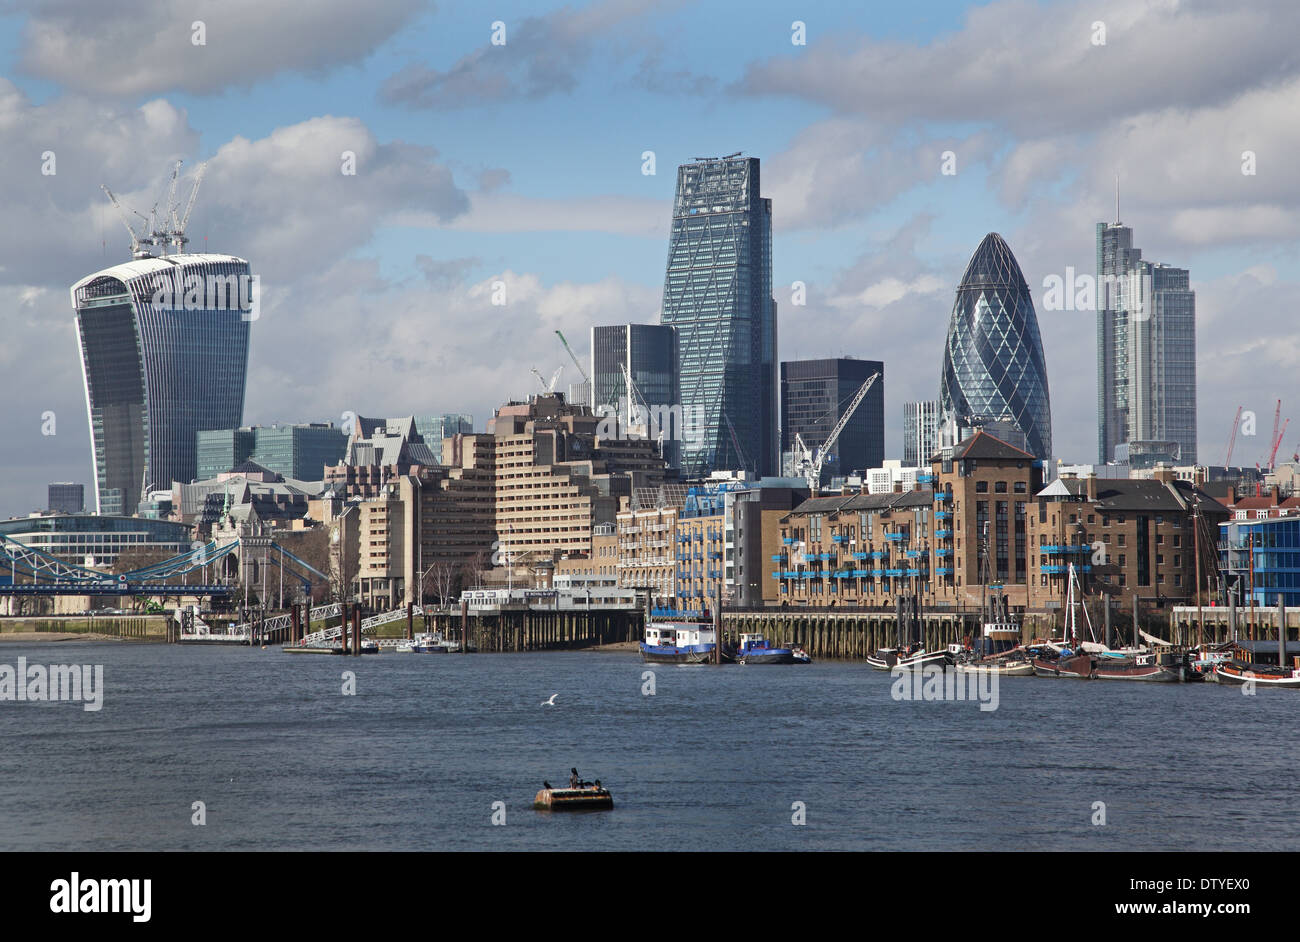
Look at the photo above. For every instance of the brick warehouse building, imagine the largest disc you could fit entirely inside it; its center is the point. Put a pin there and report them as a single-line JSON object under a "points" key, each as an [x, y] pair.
{"points": [[984, 508]]}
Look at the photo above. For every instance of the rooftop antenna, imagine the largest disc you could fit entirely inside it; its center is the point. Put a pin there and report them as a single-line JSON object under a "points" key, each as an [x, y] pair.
{"points": [[1117, 197]]}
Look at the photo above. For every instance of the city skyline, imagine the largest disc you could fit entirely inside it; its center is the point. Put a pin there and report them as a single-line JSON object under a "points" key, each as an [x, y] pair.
{"points": [[361, 270]]}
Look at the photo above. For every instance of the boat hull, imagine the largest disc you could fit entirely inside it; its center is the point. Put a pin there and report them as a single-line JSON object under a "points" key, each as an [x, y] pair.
{"points": [[1003, 668], [1151, 673], [1079, 667], [573, 799], [771, 656], [664, 654], [1238, 673]]}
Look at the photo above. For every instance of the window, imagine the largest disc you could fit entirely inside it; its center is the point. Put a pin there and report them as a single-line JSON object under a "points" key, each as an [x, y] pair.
{"points": [[1178, 540], [1122, 560], [1000, 487], [1121, 539], [1022, 487], [981, 487]]}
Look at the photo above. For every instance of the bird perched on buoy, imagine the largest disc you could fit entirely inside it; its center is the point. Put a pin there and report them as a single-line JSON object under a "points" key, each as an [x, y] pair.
{"points": [[547, 785], [550, 702]]}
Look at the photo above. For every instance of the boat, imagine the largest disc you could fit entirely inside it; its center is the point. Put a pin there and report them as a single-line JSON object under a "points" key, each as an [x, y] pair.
{"points": [[1067, 662], [912, 658], [755, 649], [679, 642], [1011, 664], [584, 798], [800, 655], [1263, 663], [429, 642], [1147, 666]]}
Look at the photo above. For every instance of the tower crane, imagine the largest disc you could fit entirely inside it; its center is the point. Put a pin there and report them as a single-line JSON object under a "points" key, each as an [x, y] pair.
{"points": [[177, 234], [636, 401], [1277, 442], [811, 460], [1236, 423], [138, 239], [555, 378], [573, 356]]}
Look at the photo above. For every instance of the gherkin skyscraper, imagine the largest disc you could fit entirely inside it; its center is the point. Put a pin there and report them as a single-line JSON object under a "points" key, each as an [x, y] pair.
{"points": [[993, 365]]}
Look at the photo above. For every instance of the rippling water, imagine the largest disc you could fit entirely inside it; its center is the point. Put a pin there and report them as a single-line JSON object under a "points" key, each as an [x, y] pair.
{"points": [[714, 760]]}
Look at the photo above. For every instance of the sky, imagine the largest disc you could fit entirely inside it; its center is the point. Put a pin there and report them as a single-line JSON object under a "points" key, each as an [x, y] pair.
{"points": [[525, 161]]}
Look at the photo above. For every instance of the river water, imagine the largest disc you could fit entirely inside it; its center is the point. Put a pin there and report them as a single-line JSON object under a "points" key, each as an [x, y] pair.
{"points": [[718, 758]]}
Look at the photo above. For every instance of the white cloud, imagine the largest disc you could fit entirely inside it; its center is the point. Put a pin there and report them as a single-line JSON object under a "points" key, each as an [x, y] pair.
{"points": [[143, 47]]}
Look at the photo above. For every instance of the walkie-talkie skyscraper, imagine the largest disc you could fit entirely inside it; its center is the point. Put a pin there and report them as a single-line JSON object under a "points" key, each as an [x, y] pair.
{"points": [[164, 354], [718, 294]]}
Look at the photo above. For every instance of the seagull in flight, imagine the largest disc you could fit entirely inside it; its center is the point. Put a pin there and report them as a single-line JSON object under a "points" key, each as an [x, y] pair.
{"points": [[550, 702]]}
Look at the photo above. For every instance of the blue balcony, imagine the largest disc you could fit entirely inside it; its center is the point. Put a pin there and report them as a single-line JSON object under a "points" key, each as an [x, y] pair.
{"points": [[943, 571], [943, 552], [895, 572], [860, 573], [776, 575], [925, 479], [942, 497], [877, 572], [913, 572], [837, 538], [943, 515], [878, 554], [787, 540], [943, 534], [914, 554], [778, 558], [860, 555], [896, 537], [1060, 549]]}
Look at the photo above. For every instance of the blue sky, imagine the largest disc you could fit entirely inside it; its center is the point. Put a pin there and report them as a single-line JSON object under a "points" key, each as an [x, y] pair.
{"points": [[522, 163]]}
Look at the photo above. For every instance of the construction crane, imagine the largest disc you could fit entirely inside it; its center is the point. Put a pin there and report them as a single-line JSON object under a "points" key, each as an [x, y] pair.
{"points": [[177, 235], [636, 400], [548, 388], [1236, 422], [151, 230], [137, 239], [811, 461], [1277, 442], [573, 356], [735, 443]]}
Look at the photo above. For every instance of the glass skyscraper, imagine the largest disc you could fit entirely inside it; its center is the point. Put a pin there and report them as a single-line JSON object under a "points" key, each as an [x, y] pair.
{"points": [[650, 353], [164, 354], [993, 365], [920, 432], [814, 395], [718, 294], [1146, 352]]}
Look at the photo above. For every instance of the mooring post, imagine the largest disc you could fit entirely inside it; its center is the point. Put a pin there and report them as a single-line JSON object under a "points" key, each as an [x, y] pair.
{"points": [[1281, 631], [410, 621], [464, 624], [356, 632]]}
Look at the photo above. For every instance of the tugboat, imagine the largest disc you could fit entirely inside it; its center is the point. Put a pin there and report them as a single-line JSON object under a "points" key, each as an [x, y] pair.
{"points": [[755, 649], [579, 796]]}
